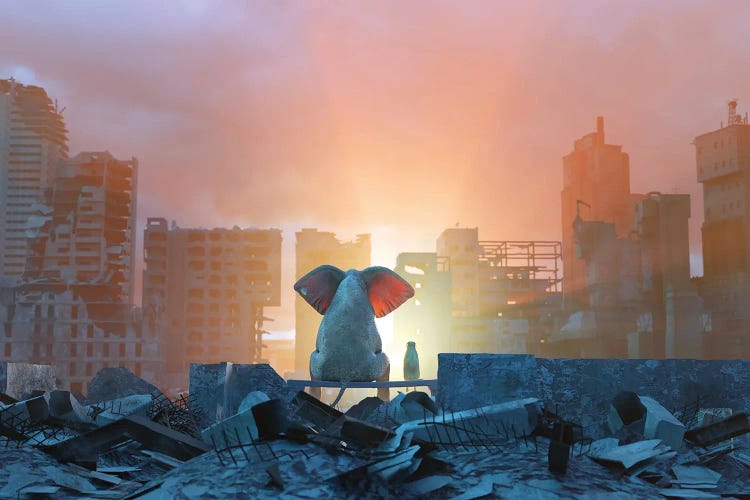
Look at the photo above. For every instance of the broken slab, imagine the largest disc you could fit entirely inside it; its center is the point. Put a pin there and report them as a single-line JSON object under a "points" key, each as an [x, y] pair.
{"points": [[719, 431], [661, 424], [628, 456], [109, 411], [114, 383], [695, 477], [488, 424], [264, 419], [86, 447]]}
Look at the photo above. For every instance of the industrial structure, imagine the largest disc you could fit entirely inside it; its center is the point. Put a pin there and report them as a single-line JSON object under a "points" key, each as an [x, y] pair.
{"points": [[500, 294], [33, 138], [315, 248], [637, 300], [723, 167], [204, 292], [595, 175]]}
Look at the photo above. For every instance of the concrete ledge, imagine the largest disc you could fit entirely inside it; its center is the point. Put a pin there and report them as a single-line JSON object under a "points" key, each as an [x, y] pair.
{"points": [[583, 388]]}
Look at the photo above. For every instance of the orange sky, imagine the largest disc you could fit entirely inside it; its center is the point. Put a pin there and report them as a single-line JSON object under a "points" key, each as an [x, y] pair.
{"points": [[396, 118]]}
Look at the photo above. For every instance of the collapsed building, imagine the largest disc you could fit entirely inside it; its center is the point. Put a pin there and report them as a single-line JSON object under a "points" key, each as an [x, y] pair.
{"points": [[74, 304], [204, 293]]}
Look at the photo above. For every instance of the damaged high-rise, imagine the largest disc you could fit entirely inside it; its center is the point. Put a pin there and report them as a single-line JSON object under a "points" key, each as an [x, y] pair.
{"points": [[723, 162], [205, 290], [33, 138], [74, 306]]}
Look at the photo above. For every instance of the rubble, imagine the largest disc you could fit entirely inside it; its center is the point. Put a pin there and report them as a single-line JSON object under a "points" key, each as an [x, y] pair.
{"points": [[114, 383], [264, 441]]}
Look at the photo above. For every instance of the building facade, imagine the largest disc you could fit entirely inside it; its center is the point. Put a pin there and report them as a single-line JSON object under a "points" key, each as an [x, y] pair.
{"points": [[205, 290], [33, 138], [723, 167]]}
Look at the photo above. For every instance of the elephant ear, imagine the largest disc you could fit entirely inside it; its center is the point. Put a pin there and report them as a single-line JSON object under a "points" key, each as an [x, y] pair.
{"points": [[319, 286], [385, 289]]}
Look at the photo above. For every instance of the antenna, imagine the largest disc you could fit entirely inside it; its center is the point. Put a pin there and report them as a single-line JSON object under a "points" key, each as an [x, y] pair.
{"points": [[733, 118]]}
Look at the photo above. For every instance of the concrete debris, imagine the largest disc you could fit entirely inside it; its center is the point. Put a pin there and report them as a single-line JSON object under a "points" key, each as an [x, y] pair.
{"points": [[695, 477], [719, 431], [661, 424], [110, 411], [115, 383], [262, 441], [64, 406]]}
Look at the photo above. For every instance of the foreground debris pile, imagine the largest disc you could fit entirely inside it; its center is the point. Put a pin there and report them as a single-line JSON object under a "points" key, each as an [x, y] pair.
{"points": [[241, 433]]}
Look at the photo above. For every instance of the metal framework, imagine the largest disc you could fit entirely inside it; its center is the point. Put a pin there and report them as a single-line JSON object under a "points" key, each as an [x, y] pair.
{"points": [[538, 260]]}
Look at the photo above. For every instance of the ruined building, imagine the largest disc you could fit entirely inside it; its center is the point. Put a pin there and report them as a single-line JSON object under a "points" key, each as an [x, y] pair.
{"points": [[205, 290], [639, 299], [73, 308], [32, 140], [315, 248], [502, 292], [596, 178], [723, 167]]}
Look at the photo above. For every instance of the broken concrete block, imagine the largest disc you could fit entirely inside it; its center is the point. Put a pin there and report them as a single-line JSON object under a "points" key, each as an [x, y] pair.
{"points": [[315, 411], [626, 409], [217, 390], [661, 424], [113, 383], [64, 406], [207, 391], [252, 399], [18, 380], [411, 406], [270, 418], [244, 379]]}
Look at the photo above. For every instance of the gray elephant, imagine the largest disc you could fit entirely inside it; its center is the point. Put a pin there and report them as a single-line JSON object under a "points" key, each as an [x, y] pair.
{"points": [[348, 347]]}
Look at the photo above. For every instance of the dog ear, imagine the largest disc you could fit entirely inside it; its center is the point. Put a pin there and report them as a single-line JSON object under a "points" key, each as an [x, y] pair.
{"points": [[385, 289], [319, 286]]}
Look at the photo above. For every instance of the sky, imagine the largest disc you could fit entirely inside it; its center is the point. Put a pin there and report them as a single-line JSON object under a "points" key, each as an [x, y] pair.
{"points": [[395, 118]]}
